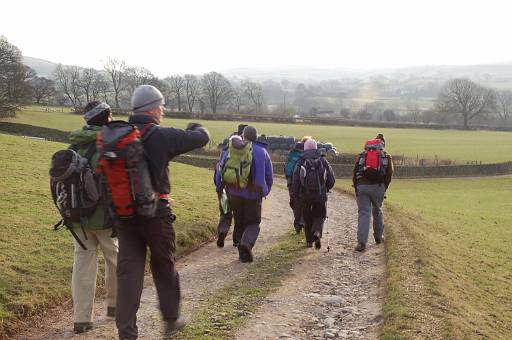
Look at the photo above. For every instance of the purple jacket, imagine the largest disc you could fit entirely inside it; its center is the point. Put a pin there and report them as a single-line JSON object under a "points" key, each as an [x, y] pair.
{"points": [[262, 175]]}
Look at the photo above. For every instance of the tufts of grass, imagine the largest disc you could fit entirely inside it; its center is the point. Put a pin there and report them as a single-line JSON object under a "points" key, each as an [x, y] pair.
{"points": [[448, 258], [36, 262], [228, 308]]}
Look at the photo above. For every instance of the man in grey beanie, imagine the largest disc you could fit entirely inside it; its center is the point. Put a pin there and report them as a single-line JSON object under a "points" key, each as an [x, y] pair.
{"points": [[157, 233]]}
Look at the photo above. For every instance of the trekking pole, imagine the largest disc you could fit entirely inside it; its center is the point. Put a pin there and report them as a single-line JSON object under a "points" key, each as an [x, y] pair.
{"points": [[327, 226]]}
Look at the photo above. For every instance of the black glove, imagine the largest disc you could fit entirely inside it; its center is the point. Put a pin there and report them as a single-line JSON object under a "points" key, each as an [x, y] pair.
{"points": [[193, 126]]}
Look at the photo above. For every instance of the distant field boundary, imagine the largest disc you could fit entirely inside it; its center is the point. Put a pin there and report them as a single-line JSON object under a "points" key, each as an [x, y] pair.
{"points": [[322, 121], [345, 170], [341, 170]]}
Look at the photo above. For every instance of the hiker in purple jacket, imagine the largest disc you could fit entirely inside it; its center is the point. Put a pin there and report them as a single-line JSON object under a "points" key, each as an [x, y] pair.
{"points": [[246, 203]]}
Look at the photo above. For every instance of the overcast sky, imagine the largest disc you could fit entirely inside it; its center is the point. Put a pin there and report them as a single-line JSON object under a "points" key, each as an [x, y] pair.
{"points": [[193, 36]]}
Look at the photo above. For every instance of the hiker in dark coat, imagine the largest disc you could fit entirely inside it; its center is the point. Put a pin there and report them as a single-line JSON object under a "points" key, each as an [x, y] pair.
{"points": [[370, 193], [246, 202], [312, 179], [98, 228], [226, 214], [293, 158], [157, 233]]}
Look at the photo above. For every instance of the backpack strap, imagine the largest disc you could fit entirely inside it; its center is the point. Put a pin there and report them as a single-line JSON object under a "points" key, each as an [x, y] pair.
{"points": [[148, 130], [91, 150]]}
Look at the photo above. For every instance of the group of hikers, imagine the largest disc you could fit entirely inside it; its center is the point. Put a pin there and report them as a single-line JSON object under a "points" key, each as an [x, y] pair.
{"points": [[112, 189]]}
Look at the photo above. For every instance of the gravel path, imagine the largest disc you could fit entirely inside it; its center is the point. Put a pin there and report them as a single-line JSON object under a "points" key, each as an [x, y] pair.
{"points": [[201, 272], [335, 294], [328, 294]]}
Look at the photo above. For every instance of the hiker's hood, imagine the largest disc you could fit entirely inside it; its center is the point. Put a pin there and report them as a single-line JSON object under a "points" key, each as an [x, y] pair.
{"points": [[311, 154], [84, 135]]}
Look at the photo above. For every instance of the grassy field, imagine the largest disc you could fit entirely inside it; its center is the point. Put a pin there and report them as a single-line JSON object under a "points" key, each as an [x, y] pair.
{"points": [[35, 261], [485, 146], [449, 258]]}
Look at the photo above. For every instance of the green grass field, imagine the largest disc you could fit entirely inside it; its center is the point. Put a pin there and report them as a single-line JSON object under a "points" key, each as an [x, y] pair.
{"points": [[35, 261], [449, 258], [485, 146]]}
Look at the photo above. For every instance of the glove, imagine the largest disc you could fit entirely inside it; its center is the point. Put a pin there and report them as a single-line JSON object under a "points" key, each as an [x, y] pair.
{"points": [[193, 126]]}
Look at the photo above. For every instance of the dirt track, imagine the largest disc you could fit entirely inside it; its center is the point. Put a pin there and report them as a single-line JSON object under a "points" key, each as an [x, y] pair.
{"points": [[328, 294]]}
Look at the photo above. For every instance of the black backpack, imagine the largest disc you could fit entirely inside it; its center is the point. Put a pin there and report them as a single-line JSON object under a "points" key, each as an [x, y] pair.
{"points": [[313, 176], [75, 188]]}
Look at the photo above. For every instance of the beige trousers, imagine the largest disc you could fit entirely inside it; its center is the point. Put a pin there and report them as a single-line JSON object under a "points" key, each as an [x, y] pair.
{"points": [[85, 269]]}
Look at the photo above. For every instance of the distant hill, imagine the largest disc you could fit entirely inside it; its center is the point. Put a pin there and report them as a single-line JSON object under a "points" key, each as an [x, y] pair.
{"points": [[44, 68], [486, 73], [498, 75]]}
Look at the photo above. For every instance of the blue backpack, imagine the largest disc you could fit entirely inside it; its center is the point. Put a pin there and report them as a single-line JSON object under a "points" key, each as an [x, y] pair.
{"points": [[293, 158]]}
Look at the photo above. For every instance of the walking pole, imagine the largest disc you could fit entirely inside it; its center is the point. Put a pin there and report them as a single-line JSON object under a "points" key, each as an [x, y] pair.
{"points": [[327, 226]]}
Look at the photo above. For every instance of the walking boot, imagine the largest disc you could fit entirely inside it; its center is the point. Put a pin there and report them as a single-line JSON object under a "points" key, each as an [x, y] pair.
{"points": [[360, 246], [220, 240], [316, 237], [111, 312], [174, 325], [82, 327], [245, 254]]}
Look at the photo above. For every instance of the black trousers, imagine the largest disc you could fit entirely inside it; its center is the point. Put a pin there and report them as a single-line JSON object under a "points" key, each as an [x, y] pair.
{"points": [[247, 216], [134, 238], [314, 214]]}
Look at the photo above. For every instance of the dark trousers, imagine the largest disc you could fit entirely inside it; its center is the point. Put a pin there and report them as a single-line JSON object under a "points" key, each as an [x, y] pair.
{"points": [[134, 236], [298, 220], [314, 214], [224, 222], [247, 215]]}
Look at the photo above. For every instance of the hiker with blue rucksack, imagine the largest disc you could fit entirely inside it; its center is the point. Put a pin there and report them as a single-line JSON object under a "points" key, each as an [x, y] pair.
{"points": [[293, 158], [80, 194], [246, 175], [372, 175], [312, 179]]}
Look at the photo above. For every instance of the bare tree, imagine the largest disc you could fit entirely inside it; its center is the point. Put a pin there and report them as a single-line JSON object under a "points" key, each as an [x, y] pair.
{"points": [[13, 78], [504, 104], [116, 71], [86, 82], [67, 79], [254, 94], [135, 76], [177, 87], [237, 99], [42, 89], [464, 97], [192, 90], [216, 90], [100, 87]]}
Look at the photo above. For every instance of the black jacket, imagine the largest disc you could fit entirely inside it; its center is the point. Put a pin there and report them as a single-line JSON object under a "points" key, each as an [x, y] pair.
{"points": [[296, 191], [166, 143]]}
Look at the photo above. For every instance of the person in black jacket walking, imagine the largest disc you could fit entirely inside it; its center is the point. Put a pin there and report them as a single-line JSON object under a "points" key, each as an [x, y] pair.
{"points": [[157, 233], [312, 179]]}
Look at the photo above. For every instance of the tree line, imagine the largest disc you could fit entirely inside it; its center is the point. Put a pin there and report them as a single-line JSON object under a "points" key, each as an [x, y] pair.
{"points": [[458, 101]]}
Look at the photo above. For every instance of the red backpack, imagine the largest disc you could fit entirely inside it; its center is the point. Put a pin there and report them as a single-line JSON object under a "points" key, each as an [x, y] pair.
{"points": [[373, 162], [124, 163]]}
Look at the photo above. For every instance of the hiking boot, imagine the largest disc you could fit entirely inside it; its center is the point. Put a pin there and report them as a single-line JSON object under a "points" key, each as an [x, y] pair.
{"points": [[220, 240], [379, 240], [235, 244], [316, 237], [360, 246], [82, 327], [245, 254], [173, 326], [111, 312]]}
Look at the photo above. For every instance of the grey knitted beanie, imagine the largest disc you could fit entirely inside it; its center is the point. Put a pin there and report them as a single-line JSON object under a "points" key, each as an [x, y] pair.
{"points": [[145, 98]]}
